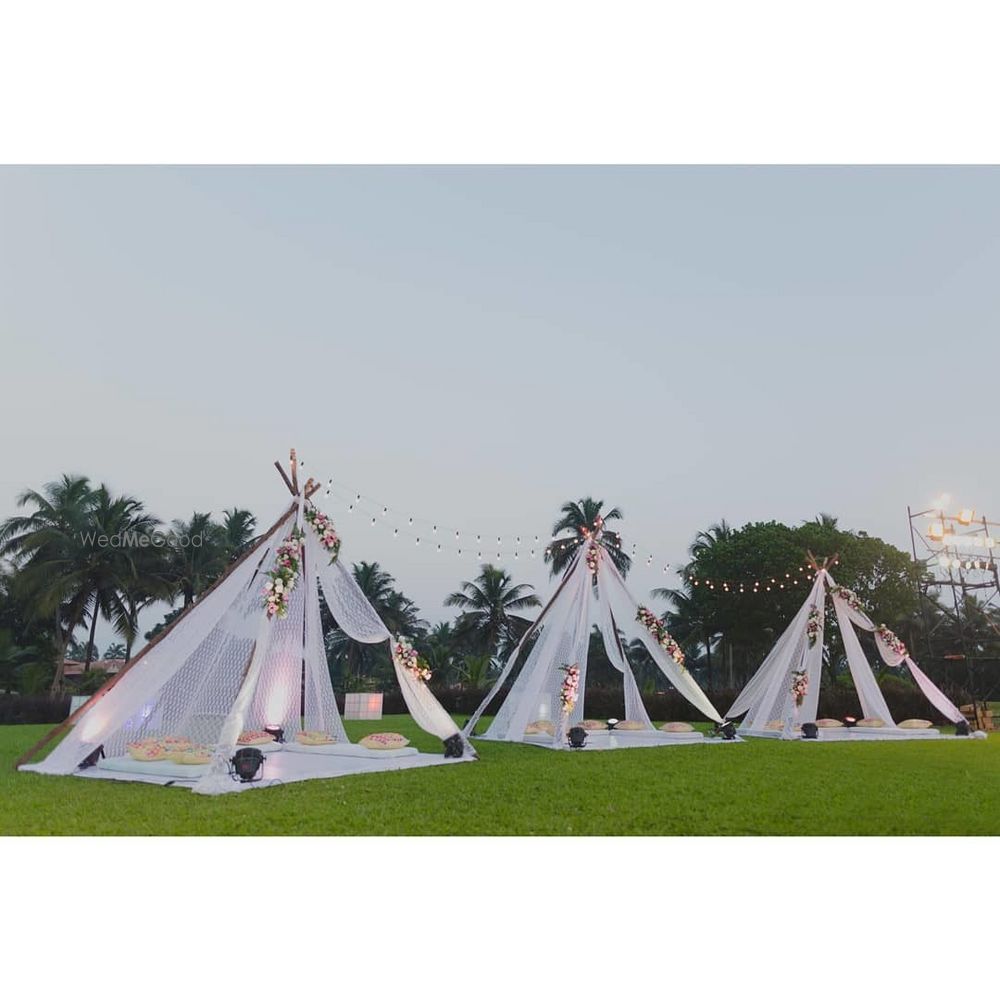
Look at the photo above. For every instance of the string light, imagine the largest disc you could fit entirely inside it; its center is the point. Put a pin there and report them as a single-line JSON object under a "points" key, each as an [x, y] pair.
{"points": [[611, 539]]}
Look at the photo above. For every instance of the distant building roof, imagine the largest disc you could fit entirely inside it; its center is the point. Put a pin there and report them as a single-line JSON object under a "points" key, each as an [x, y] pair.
{"points": [[73, 668]]}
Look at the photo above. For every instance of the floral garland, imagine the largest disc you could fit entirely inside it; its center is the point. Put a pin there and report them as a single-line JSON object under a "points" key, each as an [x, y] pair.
{"points": [[814, 626], [849, 596], [892, 641], [408, 658], [593, 557], [800, 687], [659, 632], [570, 689], [323, 527], [282, 579]]}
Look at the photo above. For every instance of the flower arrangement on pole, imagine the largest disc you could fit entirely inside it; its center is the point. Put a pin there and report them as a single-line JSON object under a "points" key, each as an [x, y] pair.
{"points": [[659, 632], [893, 641], [323, 527], [283, 576], [814, 626], [407, 657], [593, 557], [569, 690], [800, 687], [852, 600]]}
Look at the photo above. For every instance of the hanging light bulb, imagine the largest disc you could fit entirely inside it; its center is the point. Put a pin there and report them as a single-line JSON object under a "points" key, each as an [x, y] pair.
{"points": [[435, 529], [385, 510], [395, 532], [418, 539], [439, 546], [357, 498], [350, 508], [373, 522], [532, 553], [456, 536]]}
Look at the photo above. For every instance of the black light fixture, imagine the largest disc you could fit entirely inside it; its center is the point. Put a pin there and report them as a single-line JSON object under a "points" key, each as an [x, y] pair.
{"points": [[453, 746], [810, 731], [727, 730], [246, 763], [577, 737], [277, 732], [962, 728], [850, 721], [92, 758]]}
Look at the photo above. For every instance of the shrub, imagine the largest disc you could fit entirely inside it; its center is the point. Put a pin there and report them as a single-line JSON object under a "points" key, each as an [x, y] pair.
{"points": [[34, 709]]}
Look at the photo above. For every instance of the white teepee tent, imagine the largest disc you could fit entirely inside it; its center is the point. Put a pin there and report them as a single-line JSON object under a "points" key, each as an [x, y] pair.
{"points": [[542, 699], [247, 655], [784, 692]]}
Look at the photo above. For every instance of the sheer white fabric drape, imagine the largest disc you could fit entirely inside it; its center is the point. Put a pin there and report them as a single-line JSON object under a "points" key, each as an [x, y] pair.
{"points": [[355, 615], [609, 578]]}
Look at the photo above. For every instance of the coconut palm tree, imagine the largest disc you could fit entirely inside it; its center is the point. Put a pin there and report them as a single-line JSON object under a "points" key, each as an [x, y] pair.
{"points": [[705, 541], [399, 614], [43, 546], [488, 605], [110, 573], [79, 555], [689, 622], [196, 556], [580, 519], [238, 527]]}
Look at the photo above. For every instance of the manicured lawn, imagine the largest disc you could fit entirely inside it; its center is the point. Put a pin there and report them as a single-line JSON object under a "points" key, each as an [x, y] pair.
{"points": [[760, 787]]}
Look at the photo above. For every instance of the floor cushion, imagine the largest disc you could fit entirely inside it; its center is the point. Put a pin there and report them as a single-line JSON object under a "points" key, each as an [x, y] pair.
{"points": [[775, 725], [191, 756], [384, 741], [871, 723], [630, 725], [254, 738], [593, 725], [915, 724], [829, 724], [677, 727], [540, 726], [314, 738], [146, 750]]}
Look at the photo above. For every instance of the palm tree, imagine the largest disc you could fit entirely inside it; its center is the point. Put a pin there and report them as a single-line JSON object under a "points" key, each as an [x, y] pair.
{"points": [[824, 520], [109, 573], [581, 519], [705, 541], [43, 546], [116, 651], [80, 555], [488, 606], [399, 614], [689, 622], [196, 554], [238, 531]]}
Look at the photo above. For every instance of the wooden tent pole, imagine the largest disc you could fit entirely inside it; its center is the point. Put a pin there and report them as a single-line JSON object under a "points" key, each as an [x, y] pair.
{"points": [[112, 681]]}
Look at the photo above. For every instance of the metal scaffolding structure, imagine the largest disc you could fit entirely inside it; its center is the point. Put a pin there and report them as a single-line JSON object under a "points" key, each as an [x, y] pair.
{"points": [[961, 552]]}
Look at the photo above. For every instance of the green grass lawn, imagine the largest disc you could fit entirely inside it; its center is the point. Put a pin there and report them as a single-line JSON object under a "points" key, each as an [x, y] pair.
{"points": [[758, 787]]}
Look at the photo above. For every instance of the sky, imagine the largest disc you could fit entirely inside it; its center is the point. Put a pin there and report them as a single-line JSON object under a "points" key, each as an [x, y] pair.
{"points": [[474, 346]]}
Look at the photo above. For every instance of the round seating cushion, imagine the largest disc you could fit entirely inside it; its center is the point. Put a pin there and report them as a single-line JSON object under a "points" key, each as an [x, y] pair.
{"points": [[829, 724], [254, 738], [540, 726], [192, 755], [384, 741], [677, 727], [593, 725], [314, 738], [146, 750], [871, 723], [915, 724], [775, 725], [630, 725]]}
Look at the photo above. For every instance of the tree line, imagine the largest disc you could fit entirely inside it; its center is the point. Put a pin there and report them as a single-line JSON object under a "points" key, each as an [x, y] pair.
{"points": [[57, 581]]}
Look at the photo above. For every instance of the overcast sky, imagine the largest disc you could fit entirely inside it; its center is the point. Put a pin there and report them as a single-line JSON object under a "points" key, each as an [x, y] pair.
{"points": [[476, 346]]}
